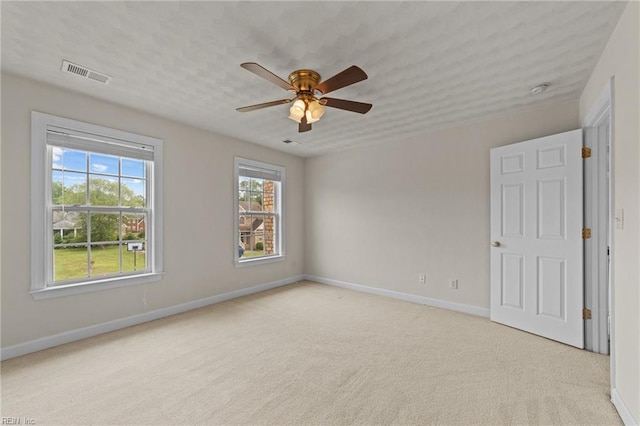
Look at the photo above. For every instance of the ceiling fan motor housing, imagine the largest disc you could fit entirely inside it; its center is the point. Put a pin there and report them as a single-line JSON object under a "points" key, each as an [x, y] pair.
{"points": [[304, 80]]}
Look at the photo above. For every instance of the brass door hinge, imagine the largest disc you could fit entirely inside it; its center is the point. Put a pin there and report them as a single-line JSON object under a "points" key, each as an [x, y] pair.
{"points": [[586, 233], [586, 152], [586, 313]]}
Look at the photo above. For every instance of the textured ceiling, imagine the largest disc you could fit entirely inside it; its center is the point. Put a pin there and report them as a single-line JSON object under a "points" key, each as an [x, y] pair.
{"points": [[430, 64]]}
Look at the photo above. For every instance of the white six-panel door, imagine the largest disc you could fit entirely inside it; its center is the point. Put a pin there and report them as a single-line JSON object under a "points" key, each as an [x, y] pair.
{"points": [[536, 237]]}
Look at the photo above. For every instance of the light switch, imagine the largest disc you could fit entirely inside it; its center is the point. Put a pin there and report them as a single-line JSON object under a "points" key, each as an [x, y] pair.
{"points": [[619, 218]]}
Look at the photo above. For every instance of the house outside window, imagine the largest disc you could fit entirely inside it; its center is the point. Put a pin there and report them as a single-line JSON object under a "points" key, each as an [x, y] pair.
{"points": [[96, 216], [258, 211]]}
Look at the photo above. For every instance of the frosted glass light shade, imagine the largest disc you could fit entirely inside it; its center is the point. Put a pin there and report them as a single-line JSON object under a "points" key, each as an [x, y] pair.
{"points": [[296, 112], [314, 111]]}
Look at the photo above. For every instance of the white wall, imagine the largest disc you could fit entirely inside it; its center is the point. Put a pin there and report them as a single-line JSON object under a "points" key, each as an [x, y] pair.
{"points": [[379, 216], [198, 200], [621, 59]]}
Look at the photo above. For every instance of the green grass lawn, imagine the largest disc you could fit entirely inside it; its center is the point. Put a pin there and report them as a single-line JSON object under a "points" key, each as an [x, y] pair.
{"points": [[70, 263], [253, 253]]}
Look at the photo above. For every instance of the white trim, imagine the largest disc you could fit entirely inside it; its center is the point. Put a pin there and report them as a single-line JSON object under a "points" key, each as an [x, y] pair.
{"points": [[259, 261], [422, 300], [94, 330], [39, 161], [597, 216], [612, 251], [600, 107], [623, 410], [79, 288], [605, 103]]}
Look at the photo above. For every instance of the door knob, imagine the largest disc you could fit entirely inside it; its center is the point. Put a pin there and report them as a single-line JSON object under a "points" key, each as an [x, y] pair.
{"points": [[495, 243]]}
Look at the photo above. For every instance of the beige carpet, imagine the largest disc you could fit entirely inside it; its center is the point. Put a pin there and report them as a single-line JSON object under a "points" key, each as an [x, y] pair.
{"points": [[311, 354]]}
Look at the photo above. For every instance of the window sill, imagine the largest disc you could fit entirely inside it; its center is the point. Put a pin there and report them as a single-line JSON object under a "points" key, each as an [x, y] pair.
{"points": [[258, 261], [79, 288]]}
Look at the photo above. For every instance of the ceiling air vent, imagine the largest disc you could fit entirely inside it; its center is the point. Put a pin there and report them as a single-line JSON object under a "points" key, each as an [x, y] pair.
{"points": [[85, 72]]}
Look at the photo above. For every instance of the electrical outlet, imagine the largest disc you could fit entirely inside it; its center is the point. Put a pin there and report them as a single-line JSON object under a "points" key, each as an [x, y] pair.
{"points": [[422, 279], [453, 284]]}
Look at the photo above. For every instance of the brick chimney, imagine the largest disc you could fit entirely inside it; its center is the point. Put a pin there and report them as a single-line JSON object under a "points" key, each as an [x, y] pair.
{"points": [[268, 205]]}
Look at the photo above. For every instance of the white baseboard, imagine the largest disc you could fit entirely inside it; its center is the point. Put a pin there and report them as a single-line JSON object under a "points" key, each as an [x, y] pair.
{"points": [[423, 300], [623, 410], [94, 330]]}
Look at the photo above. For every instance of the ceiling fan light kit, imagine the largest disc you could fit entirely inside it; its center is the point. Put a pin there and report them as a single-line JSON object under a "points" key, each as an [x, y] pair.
{"points": [[306, 107]]}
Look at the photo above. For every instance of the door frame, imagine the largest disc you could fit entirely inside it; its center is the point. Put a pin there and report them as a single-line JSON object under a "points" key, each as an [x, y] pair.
{"points": [[600, 295]]}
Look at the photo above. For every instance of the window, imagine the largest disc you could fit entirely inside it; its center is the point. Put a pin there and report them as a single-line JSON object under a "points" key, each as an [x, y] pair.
{"points": [[258, 212], [96, 217]]}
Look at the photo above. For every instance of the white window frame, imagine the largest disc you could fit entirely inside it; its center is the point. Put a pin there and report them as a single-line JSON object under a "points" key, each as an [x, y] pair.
{"points": [[41, 228], [279, 206]]}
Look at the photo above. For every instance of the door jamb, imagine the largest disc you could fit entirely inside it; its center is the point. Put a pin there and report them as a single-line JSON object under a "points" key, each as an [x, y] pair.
{"points": [[596, 218], [601, 112]]}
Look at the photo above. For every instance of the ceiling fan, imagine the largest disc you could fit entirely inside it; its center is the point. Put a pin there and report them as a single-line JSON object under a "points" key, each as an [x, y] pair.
{"points": [[307, 108]]}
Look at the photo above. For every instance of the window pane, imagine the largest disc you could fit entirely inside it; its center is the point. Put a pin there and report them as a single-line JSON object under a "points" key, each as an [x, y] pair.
{"points": [[70, 263], [268, 195], [243, 194], [256, 201], [103, 190], [103, 164], [253, 236], [255, 194], [134, 260], [133, 192], [269, 235], [68, 159], [104, 227], [259, 242], [133, 168], [105, 259], [57, 186], [134, 226], [69, 227], [68, 188], [82, 232]]}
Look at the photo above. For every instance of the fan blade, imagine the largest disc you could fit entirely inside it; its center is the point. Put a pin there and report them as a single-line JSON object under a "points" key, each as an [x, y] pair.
{"points": [[304, 126], [353, 106], [264, 105], [351, 75], [260, 71]]}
